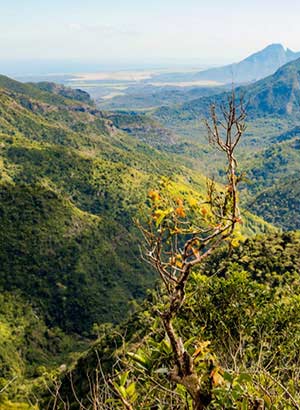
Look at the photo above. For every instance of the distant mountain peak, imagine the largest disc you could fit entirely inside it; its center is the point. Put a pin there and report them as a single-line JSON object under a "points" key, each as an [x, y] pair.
{"points": [[254, 67], [274, 46]]}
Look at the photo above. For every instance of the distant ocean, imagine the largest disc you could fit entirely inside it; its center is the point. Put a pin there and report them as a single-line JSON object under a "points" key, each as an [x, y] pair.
{"points": [[62, 70]]}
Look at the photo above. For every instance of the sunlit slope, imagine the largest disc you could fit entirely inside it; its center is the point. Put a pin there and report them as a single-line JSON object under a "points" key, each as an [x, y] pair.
{"points": [[71, 182]]}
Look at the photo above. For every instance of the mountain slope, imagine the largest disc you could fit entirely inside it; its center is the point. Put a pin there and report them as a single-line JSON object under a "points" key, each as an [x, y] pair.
{"points": [[71, 182], [29, 349], [274, 183], [280, 204]]}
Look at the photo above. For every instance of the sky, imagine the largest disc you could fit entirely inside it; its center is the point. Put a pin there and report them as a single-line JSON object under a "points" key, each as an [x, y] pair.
{"points": [[140, 32]]}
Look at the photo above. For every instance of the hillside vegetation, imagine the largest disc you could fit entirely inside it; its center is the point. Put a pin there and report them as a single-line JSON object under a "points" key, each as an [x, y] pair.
{"points": [[72, 179], [71, 182]]}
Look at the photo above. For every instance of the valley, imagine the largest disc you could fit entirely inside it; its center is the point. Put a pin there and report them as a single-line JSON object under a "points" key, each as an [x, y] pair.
{"points": [[83, 161]]}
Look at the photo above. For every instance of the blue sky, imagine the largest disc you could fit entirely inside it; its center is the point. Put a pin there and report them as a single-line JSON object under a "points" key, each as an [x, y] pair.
{"points": [[135, 31]]}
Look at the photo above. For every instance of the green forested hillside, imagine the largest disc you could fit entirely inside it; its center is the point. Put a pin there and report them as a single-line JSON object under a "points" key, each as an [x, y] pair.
{"points": [[74, 266], [29, 349], [71, 180], [280, 203], [71, 183], [272, 182], [58, 200]]}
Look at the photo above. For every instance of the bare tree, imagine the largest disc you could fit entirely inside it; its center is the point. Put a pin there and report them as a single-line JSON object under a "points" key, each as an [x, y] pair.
{"points": [[181, 235]]}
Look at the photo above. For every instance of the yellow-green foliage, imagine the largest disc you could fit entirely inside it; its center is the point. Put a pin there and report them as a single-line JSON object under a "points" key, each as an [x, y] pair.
{"points": [[8, 405]]}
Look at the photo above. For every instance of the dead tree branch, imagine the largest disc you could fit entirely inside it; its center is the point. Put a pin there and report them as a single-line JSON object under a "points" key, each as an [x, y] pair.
{"points": [[177, 238]]}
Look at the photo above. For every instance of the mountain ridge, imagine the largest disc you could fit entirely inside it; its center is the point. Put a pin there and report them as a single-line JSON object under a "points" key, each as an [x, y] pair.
{"points": [[253, 68]]}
